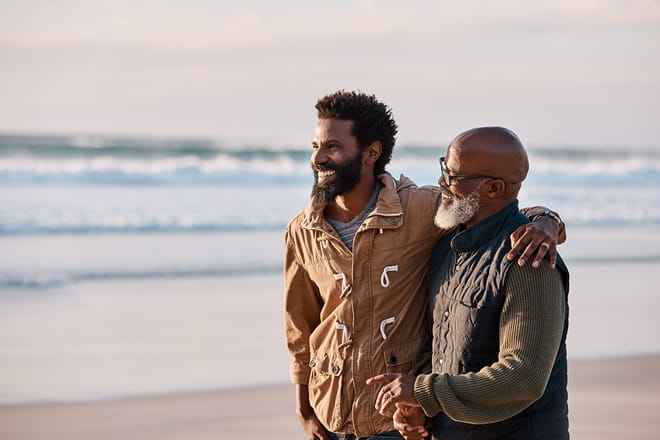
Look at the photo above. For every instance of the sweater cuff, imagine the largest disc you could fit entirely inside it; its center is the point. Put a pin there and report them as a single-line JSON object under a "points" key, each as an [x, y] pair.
{"points": [[425, 395]]}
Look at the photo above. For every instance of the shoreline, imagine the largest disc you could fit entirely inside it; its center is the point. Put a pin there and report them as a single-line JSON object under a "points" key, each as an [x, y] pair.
{"points": [[608, 399], [578, 363]]}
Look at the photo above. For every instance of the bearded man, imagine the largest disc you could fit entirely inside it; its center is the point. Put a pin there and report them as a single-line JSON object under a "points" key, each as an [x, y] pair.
{"points": [[499, 330], [355, 269]]}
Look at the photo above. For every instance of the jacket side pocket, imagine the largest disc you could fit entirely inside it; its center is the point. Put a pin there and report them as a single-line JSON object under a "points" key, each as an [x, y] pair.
{"points": [[399, 357], [326, 390]]}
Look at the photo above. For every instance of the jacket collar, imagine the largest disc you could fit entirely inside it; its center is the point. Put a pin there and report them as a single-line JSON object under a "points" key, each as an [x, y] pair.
{"points": [[467, 240], [387, 214]]}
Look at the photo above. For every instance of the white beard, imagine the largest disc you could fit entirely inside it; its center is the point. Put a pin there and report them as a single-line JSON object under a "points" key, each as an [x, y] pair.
{"points": [[460, 210]]}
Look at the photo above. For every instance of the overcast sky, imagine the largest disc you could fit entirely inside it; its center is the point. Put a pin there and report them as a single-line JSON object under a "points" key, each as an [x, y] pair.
{"points": [[569, 72]]}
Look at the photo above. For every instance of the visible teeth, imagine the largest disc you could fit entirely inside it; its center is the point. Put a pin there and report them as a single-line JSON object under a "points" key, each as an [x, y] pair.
{"points": [[326, 173]]}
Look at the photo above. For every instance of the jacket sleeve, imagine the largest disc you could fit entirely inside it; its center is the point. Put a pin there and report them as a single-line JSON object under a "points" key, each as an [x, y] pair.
{"points": [[531, 328], [302, 311]]}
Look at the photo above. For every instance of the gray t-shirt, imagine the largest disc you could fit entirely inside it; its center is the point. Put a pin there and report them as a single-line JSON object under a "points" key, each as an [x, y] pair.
{"points": [[347, 230]]}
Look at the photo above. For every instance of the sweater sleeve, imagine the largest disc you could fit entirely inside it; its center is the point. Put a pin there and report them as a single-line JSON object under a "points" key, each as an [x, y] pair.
{"points": [[531, 327]]}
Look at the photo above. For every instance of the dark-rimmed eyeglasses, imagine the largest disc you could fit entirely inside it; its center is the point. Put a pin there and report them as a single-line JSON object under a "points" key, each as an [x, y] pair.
{"points": [[448, 178]]}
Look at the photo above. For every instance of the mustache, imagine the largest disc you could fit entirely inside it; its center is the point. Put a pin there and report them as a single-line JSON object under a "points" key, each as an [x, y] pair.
{"points": [[447, 193]]}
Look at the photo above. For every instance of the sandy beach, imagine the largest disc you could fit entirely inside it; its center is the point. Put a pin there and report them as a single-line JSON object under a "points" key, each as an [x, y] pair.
{"points": [[183, 358], [609, 399]]}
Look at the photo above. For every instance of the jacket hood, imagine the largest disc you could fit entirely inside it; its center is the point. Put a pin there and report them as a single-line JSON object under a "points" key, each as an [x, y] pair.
{"points": [[404, 182], [388, 203]]}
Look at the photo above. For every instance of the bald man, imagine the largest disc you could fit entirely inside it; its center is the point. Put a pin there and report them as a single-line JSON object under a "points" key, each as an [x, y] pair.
{"points": [[498, 365]]}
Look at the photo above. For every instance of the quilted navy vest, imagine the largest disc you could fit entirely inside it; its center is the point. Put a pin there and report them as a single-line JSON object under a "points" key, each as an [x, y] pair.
{"points": [[466, 293]]}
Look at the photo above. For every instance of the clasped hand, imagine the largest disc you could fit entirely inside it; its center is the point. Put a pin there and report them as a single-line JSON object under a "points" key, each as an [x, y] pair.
{"points": [[396, 399]]}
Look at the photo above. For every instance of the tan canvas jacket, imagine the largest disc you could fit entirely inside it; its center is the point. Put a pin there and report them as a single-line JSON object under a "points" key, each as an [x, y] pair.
{"points": [[348, 316], [348, 319]]}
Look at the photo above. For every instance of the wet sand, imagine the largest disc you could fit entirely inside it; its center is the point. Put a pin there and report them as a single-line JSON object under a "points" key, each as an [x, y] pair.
{"points": [[609, 399]]}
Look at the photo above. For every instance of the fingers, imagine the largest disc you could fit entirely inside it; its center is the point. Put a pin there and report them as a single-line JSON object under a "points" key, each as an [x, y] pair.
{"points": [[531, 241], [382, 378], [416, 433], [409, 422], [552, 252], [524, 241], [407, 427], [532, 247], [383, 395], [540, 253], [546, 249], [320, 435], [315, 430], [385, 402], [379, 400], [517, 245], [399, 388]]}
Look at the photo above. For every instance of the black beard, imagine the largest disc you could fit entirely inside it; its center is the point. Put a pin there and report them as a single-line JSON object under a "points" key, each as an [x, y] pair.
{"points": [[347, 176]]}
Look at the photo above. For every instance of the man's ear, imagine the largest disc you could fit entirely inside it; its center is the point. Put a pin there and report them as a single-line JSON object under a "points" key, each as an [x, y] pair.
{"points": [[372, 153], [495, 188]]}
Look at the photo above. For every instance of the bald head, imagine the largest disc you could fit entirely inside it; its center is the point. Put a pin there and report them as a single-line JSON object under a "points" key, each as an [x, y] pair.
{"points": [[491, 151]]}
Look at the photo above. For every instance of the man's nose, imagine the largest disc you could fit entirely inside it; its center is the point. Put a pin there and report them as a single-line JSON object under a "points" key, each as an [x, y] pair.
{"points": [[319, 156], [442, 183]]}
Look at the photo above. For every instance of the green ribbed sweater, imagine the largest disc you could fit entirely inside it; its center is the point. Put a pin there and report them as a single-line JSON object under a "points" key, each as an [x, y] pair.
{"points": [[531, 327]]}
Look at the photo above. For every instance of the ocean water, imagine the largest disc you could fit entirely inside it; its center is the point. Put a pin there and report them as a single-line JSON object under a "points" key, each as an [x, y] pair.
{"points": [[142, 266], [103, 186], [98, 185]]}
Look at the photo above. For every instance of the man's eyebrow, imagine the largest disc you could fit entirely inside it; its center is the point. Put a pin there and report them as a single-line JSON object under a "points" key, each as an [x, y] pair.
{"points": [[447, 168], [327, 141]]}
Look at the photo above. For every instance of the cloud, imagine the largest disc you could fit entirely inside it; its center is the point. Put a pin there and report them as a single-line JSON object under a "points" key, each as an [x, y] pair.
{"points": [[184, 65], [179, 27]]}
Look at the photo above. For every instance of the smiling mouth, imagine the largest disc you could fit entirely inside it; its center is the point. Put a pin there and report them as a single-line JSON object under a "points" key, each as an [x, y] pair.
{"points": [[325, 174]]}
